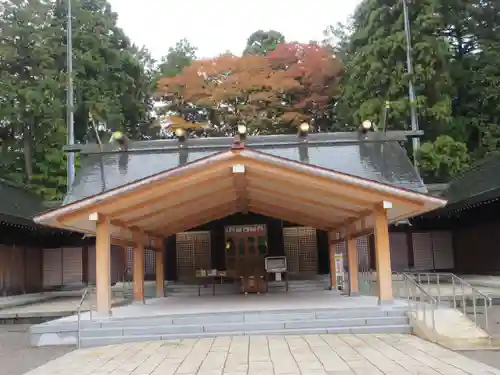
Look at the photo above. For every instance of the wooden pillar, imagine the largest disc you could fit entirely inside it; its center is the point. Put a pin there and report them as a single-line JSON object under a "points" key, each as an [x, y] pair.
{"points": [[352, 259], [103, 265], [382, 255], [160, 271], [138, 268], [333, 271]]}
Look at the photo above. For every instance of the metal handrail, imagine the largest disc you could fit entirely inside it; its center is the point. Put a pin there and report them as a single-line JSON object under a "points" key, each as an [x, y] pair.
{"points": [[79, 312], [426, 301], [475, 293]]}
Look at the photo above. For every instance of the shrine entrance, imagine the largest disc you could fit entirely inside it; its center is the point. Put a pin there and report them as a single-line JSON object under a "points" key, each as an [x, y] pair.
{"points": [[246, 249]]}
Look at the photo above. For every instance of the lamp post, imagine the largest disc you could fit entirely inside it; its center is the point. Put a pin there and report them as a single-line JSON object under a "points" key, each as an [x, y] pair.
{"points": [[411, 87], [69, 96]]}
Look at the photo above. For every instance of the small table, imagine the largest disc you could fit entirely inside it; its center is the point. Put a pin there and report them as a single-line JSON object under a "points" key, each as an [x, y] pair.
{"points": [[214, 279], [285, 280]]}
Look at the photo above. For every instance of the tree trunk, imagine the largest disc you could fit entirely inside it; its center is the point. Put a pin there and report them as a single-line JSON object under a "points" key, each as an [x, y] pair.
{"points": [[28, 161]]}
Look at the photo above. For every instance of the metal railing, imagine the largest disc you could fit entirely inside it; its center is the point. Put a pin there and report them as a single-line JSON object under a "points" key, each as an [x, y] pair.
{"points": [[421, 303], [85, 293], [448, 287]]}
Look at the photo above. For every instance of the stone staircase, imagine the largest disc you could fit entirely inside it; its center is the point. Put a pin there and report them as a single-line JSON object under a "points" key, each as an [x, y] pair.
{"points": [[306, 321]]}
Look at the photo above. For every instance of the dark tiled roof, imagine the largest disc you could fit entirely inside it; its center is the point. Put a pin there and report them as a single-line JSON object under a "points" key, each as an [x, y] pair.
{"points": [[377, 158], [478, 185], [16, 201], [480, 179]]}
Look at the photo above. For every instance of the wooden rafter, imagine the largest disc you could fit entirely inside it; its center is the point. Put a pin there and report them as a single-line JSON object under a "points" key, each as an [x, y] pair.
{"points": [[289, 215], [147, 191], [195, 220], [172, 217], [179, 194], [315, 210], [349, 192], [186, 205], [304, 197]]}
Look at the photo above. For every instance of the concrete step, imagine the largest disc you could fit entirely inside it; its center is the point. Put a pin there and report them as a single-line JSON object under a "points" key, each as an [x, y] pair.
{"points": [[230, 328], [247, 317], [328, 320], [111, 340]]}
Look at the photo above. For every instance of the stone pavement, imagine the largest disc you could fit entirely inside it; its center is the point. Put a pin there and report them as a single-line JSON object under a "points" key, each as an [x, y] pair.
{"points": [[17, 356], [266, 355]]}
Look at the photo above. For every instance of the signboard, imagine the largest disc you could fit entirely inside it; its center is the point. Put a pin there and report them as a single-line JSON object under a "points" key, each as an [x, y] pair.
{"points": [[250, 229], [275, 264]]}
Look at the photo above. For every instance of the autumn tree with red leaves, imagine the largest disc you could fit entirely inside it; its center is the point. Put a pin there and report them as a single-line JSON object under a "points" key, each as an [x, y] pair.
{"points": [[270, 94]]}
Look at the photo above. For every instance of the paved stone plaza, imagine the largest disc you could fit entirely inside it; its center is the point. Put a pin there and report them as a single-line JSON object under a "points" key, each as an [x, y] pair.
{"points": [[261, 355]]}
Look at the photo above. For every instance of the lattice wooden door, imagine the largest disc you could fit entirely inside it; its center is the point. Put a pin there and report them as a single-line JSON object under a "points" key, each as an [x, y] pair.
{"points": [[193, 252], [301, 250]]}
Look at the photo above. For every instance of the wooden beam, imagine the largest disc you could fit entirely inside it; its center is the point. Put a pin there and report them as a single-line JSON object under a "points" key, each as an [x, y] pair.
{"points": [[299, 205], [305, 197], [199, 218], [319, 216], [160, 210], [331, 187], [178, 196], [315, 188], [158, 188], [240, 186], [178, 215], [287, 215], [103, 264]]}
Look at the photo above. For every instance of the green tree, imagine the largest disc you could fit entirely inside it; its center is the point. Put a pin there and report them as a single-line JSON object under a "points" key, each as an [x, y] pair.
{"points": [[178, 57], [471, 27], [261, 42], [442, 159], [376, 67], [111, 79]]}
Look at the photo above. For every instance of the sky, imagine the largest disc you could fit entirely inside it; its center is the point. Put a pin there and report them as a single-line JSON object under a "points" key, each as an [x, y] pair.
{"points": [[218, 26]]}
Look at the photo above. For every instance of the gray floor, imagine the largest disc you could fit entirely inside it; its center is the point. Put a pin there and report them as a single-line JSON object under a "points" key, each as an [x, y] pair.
{"points": [[489, 357], [17, 356]]}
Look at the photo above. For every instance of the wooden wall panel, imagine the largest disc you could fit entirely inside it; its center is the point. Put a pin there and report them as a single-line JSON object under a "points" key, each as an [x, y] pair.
{"points": [[34, 274], [12, 270]]}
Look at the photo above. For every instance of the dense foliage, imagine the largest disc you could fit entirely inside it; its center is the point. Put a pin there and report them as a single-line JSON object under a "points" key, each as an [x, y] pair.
{"points": [[275, 85], [270, 93], [456, 60]]}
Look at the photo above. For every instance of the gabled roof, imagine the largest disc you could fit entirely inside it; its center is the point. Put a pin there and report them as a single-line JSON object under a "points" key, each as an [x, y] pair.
{"points": [[378, 157], [18, 202], [241, 180]]}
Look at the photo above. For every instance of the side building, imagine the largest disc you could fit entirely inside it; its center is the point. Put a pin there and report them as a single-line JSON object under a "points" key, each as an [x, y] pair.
{"points": [[471, 217], [35, 258]]}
